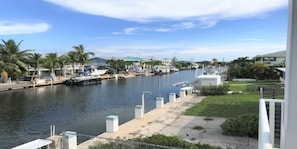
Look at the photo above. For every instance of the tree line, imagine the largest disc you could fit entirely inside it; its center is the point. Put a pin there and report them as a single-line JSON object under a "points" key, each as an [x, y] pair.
{"points": [[15, 62], [244, 67]]}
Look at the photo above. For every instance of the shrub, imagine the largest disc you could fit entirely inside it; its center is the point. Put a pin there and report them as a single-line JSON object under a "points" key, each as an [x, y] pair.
{"points": [[208, 119], [215, 90], [157, 139], [198, 127], [160, 139], [244, 126]]}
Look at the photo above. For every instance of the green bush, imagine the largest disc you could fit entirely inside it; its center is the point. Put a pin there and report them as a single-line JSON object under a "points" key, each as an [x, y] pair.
{"points": [[215, 90], [243, 126], [157, 139]]}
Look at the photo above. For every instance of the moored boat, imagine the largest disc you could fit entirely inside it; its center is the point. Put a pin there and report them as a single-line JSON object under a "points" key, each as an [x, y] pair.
{"points": [[83, 79]]}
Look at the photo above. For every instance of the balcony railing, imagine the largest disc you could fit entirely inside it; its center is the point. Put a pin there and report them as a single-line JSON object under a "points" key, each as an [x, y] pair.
{"points": [[270, 123]]}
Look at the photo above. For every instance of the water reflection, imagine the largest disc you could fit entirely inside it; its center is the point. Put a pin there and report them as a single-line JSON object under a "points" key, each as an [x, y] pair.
{"points": [[27, 114]]}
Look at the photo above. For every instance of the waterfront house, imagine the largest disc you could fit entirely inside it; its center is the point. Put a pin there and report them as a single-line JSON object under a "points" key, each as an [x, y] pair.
{"points": [[99, 62], [272, 59]]}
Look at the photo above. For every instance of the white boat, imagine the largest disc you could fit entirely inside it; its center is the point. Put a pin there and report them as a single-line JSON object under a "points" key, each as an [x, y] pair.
{"points": [[83, 78], [93, 71], [160, 69], [174, 69], [210, 70]]}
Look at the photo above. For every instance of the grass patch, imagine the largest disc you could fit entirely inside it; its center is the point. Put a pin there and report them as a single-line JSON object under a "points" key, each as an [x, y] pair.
{"points": [[226, 106], [229, 105], [208, 119], [235, 104], [198, 127]]}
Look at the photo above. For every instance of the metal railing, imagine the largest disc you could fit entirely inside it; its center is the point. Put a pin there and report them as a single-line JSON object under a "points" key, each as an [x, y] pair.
{"points": [[270, 123]]}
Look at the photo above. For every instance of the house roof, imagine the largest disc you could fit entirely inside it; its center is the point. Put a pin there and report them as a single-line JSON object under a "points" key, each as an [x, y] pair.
{"points": [[275, 54], [133, 59]]}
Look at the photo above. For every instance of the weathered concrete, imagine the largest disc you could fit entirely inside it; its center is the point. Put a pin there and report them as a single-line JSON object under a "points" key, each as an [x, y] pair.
{"points": [[170, 121]]}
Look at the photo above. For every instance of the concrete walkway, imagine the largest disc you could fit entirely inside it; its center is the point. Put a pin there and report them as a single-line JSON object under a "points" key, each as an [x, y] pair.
{"points": [[170, 121]]}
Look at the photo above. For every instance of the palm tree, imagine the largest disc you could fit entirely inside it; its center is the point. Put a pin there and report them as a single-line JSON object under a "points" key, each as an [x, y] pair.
{"points": [[51, 61], [34, 61], [72, 59], [15, 59], [3, 73], [62, 61], [82, 57]]}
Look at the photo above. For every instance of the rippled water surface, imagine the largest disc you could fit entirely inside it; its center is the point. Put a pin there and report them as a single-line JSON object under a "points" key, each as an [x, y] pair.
{"points": [[27, 114]]}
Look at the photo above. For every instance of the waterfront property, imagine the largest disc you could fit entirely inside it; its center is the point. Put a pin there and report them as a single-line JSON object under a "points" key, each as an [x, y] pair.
{"points": [[30, 112], [272, 59]]}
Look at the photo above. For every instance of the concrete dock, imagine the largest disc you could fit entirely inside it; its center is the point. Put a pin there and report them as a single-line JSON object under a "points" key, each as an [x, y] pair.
{"points": [[169, 120]]}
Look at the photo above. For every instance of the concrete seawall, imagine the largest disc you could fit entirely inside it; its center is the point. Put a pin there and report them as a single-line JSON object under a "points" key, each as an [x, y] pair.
{"points": [[153, 121]]}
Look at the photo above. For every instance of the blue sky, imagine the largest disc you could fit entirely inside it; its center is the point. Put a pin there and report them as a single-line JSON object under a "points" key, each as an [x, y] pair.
{"points": [[194, 30]]}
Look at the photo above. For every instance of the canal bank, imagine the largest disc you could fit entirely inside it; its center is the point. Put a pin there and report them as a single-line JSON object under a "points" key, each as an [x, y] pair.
{"points": [[17, 85], [169, 120], [27, 114]]}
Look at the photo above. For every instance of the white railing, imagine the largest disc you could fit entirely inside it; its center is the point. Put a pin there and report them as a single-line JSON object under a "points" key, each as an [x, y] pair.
{"points": [[267, 124]]}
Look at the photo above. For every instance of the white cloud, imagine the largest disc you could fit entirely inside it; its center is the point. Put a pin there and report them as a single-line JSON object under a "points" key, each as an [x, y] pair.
{"points": [[168, 28], [12, 28], [226, 51], [130, 30], [209, 12]]}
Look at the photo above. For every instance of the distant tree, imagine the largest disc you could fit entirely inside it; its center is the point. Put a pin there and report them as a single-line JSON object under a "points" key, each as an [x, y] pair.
{"points": [[174, 61], [153, 62], [240, 68], [73, 58], [117, 65], [214, 61], [82, 56], [51, 61], [62, 61], [34, 61], [244, 67], [258, 70]]}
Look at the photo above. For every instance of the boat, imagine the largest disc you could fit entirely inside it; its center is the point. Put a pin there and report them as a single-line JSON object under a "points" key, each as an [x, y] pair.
{"points": [[174, 69], [83, 78], [210, 70], [160, 69], [94, 71], [210, 77]]}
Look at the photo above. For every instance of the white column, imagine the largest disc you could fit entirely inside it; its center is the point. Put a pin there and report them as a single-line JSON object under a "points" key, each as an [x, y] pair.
{"points": [[138, 112], [160, 102], [290, 120], [182, 93], [172, 97], [69, 140], [112, 123]]}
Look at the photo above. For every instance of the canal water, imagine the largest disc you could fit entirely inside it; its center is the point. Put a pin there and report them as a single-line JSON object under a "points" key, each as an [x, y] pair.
{"points": [[26, 115]]}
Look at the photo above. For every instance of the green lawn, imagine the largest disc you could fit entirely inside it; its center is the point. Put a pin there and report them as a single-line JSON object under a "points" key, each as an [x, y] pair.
{"points": [[230, 105], [226, 106]]}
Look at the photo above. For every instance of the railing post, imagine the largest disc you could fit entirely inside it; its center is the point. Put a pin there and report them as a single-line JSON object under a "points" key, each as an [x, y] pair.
{"points": [[261, 93], [264, 131], [272, 120]]}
